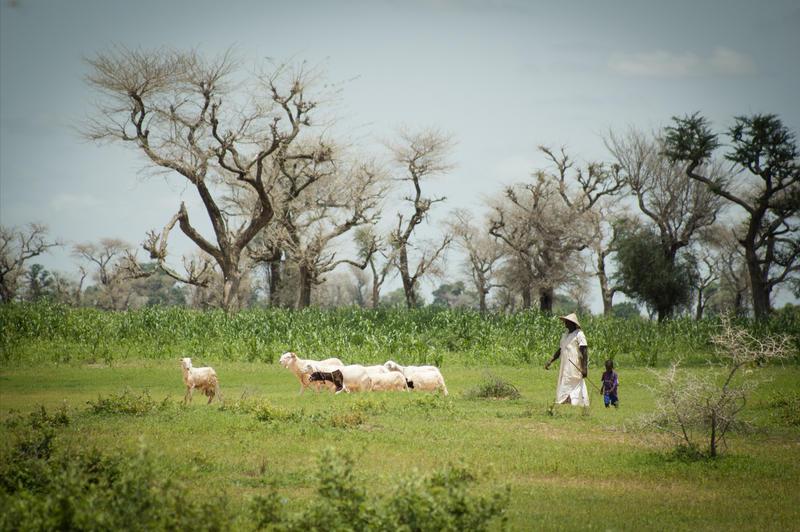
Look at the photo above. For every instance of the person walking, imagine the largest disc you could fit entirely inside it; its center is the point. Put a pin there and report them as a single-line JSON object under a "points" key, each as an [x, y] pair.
{"points": [[574, 353]]}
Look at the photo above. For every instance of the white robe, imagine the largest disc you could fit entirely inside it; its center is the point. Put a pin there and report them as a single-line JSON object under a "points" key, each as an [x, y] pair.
{"points": [[570, 381]]}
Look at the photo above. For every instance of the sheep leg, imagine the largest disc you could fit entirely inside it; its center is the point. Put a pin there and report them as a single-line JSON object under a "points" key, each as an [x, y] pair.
{"points": [[188, 396]]}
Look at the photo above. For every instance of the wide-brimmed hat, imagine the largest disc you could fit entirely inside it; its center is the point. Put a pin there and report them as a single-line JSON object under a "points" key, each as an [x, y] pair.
{"points": [[571, 317]]}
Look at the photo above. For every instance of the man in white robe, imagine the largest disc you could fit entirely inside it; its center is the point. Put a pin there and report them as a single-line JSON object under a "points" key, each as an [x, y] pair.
{"points": [[574, 354]]}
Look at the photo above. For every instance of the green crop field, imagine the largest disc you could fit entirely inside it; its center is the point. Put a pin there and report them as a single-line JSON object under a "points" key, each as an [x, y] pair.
{"points": [[112, 382]]}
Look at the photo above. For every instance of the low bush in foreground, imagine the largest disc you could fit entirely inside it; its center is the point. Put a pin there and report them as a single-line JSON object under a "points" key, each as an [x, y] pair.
{"points": [[493, 388], [44, 486], [439, 501]]}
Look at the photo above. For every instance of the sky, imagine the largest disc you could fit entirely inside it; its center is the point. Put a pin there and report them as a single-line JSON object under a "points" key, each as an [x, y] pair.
{"points": [[500, 76]]}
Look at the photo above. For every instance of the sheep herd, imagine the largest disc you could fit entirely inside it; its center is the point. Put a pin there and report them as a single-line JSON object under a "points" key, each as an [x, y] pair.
{"points": [[331, 374]]}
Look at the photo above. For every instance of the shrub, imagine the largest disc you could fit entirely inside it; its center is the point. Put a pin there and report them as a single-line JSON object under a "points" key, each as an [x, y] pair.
{"points": [[493, 388], [127, 403], [85, 489], [440, 501], [786, 407], [699, 410]]}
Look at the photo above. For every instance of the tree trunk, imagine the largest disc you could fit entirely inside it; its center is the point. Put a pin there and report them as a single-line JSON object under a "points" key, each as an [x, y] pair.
{"points": [[700, 306], [738, 304], [527, 299], [411, 295], [376, 294], [760, 291], [608, 304], [758, 283], [275, 282], [408, 282], [712, 448], [230, 290], [482, 300], [606, 292], [304, 288], [376, 284], [546, 300]]}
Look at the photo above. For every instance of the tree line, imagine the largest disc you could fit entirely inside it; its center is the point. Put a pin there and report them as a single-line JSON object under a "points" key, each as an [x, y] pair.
{"points": [[683, 219]]}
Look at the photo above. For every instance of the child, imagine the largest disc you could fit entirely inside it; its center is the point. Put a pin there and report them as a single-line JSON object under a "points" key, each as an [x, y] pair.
{"points": [[609, 385]]}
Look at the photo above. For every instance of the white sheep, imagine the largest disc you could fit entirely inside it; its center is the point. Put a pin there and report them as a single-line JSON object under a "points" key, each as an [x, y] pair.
{"points": [[388, 381], [423, 378], [298, 365], [204, 379], [355, 377]]}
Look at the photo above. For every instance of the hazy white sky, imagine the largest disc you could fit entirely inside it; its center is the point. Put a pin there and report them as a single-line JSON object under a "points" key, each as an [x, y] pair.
{"points": [[501, 76]]}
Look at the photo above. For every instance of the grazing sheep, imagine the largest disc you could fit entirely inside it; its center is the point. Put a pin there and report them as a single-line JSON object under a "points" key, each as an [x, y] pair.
{"points": [[424, 378], [388, 381], [355, 377], [334, 376], [204, 379], [298, 365]]}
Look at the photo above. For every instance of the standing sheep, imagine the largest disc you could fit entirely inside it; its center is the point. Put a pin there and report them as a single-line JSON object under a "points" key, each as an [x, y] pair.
{"points": [[389, 381], [204, 379], [425, 378], [355, 377], [298, 365]]}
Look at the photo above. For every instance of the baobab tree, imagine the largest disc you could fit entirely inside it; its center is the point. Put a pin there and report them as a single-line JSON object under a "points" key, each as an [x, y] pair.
{"points": [[765, 153], [419, 157], [548, 222], [17, 247], [192, 117]]}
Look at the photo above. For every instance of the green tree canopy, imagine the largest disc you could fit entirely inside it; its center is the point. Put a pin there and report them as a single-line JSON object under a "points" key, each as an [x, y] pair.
{"points": [[646, 274]]}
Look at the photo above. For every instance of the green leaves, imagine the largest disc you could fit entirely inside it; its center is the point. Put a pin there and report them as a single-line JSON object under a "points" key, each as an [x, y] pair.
{"points": [[690, 139]]}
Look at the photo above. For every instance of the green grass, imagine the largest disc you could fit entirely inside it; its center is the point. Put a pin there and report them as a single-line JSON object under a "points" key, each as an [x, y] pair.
{"points": [[566, 468], [32, 334]]}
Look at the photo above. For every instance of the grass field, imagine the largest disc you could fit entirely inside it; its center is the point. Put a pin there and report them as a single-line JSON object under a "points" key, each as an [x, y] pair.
{"points": [[565, 468], [41, 333]]}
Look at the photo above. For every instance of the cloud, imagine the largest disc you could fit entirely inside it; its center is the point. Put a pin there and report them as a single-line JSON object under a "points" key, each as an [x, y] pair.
{"points": [[663, 64], [732, 63]]}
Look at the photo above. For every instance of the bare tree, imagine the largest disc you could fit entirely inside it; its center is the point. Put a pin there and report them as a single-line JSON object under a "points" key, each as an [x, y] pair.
{"points": [[603, 246], [765, 152], [377, 253], [17, 247], [735, 280], [548, 222], [694, 407], [67, 290], [359, 286], [110, 259], [705, 280], [678, 206], [419, 156], [333, 207], [484, 254], [189, 116]]}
